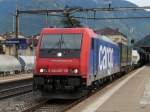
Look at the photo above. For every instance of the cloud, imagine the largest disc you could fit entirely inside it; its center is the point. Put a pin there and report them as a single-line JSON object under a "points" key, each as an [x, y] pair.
{"points": [[140, 2]]}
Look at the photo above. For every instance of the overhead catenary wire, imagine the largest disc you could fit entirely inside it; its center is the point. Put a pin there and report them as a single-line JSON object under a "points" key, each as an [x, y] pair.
{"points": [[74, 10], [101, 18], [106, 18], [59, 12]]}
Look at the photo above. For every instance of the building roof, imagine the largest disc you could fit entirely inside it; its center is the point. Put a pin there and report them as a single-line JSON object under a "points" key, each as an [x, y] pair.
{"points": [[14, 36], [109, 31], [11, 35]]}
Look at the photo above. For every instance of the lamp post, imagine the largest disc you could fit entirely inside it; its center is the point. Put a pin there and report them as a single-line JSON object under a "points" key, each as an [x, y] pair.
{"points": [[17, 32]]}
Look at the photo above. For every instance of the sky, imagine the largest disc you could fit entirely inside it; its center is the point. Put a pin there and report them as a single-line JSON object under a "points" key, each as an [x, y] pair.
{"points": [[140, 2]]}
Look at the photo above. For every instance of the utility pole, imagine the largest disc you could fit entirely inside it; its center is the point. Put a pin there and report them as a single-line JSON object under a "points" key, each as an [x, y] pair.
{"points": [[17, 32], [13, 24], [47, 20]]}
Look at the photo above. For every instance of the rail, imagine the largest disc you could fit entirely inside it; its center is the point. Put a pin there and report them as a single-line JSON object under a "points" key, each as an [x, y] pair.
{"points": [[15, 88]]}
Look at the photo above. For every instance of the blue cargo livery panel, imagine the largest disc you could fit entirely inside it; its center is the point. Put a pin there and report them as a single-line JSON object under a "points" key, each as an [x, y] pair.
{"points": [[104, 58]]}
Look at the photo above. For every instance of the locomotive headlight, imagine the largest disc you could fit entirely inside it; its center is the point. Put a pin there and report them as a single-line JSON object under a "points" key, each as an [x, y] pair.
{"points": [[41, 70], [76, 71]]}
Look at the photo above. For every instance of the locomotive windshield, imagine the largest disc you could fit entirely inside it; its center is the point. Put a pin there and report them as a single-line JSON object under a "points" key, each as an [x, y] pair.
{"points": [[68, 45], [61, 41]]}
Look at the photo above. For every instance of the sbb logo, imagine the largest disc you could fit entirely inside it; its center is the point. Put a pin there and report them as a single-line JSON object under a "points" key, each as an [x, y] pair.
{"points": [[105, 58]]}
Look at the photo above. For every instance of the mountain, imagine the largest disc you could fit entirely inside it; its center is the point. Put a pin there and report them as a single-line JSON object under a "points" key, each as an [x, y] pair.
{"points": [[144, 41], [135, 29]]}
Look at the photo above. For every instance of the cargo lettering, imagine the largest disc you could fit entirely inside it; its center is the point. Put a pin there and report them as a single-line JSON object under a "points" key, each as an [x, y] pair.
{"points": [[105, 58]]}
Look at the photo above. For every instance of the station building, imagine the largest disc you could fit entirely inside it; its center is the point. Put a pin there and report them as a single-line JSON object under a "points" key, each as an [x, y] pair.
{"points": [[113, 34], [8, 45]]}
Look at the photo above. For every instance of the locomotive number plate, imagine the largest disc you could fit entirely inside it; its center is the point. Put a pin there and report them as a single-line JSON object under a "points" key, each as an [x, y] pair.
{"points": [[58, 70]]}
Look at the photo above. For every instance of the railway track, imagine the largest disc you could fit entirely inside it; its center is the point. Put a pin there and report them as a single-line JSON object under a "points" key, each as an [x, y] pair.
{"points": [[59, 105], [15, 91], [52, 106], [55, 106], [15, 88]]}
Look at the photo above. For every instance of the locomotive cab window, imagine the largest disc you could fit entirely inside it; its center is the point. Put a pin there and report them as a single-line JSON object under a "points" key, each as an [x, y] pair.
{"points": [[61, 41], [65, 43]]}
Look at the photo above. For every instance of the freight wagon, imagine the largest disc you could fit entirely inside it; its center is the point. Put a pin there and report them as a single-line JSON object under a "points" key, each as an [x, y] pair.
{"points": [[9, 65]]}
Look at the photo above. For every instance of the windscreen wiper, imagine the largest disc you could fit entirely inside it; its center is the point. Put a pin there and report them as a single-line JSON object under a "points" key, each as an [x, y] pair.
{"points": [[57, 45], [63, 43]]}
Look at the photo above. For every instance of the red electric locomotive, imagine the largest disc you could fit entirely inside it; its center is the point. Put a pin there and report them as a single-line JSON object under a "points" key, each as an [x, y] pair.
{"points": [[61, 62], [69, 61]]}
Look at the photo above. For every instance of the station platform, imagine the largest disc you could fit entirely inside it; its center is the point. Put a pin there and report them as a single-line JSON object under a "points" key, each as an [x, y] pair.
{"points": [[17, 77], [130, 94]]}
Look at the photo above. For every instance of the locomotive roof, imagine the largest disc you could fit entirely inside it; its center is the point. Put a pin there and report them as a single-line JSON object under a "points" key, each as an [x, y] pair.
{"points": [[75, 29], [105, 38]]}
